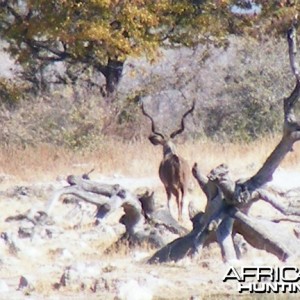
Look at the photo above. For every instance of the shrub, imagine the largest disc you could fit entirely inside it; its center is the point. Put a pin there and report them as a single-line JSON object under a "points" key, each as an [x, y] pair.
{"points": [[238, 91], [10, 93]]}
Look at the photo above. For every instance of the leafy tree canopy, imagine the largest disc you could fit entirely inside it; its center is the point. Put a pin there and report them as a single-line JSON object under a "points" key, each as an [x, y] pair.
{"points": [[101, 34]]}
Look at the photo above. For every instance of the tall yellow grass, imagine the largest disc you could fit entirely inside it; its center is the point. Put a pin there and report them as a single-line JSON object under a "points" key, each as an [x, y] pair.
{"points": [[136, 159]]}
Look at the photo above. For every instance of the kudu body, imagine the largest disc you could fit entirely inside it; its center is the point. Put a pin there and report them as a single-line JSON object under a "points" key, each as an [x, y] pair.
{"points": [[174, 171]]}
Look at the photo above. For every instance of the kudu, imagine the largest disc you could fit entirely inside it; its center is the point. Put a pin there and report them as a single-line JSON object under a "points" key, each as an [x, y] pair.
{"points": [[174, 171]]}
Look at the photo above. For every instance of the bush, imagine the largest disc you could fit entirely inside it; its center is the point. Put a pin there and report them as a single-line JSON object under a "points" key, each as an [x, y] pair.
{"points": [[238, 92], [10, 93]]}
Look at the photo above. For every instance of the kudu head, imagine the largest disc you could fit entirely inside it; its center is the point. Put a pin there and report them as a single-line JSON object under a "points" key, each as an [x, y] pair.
{"points": [[157, 138]]}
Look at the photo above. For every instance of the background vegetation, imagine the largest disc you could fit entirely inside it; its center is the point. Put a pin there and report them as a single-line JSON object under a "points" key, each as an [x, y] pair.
{"points": [[78, 76]]}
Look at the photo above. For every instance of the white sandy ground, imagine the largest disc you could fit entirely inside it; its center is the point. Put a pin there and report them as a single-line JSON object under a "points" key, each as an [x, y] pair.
{"points": [[77, 252]]}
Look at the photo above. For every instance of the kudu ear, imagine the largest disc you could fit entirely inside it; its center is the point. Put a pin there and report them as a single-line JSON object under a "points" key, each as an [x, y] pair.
{"points": [[156, 139]]}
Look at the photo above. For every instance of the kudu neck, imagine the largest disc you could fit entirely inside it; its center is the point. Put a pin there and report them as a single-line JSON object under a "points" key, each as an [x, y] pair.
{"points": [[169, 148]]}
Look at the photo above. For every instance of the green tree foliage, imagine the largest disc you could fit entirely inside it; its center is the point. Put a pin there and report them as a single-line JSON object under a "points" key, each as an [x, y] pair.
{"points": [[10, 92], [98, 35]]}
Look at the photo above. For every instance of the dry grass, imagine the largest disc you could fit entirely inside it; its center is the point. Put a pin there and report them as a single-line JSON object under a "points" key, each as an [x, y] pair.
{"points": [[45, 162], [137, 159]]}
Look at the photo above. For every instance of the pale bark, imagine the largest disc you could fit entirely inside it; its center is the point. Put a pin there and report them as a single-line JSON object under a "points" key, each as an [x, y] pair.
{"points": [[142, 221]]}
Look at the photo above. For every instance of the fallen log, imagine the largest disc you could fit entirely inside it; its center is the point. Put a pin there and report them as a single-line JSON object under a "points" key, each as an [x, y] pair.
{"points": [[144, 224]]}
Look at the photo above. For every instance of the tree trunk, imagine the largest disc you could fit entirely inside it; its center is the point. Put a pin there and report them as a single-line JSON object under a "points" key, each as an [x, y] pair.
{"points": [[113, 73]]}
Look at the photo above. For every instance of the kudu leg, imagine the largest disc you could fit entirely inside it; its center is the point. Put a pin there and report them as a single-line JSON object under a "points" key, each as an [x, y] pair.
{"points": [[178, 202], [168, 192], [181, 203]]}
